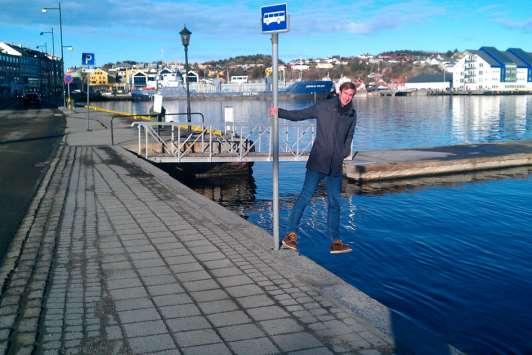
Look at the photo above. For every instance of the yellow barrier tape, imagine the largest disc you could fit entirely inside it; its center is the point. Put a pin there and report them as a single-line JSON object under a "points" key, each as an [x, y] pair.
{"points": [[119, 113], [194, 128]]}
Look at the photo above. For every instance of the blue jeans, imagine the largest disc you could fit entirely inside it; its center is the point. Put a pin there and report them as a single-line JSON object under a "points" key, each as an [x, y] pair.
{"points": [[334, 186]]}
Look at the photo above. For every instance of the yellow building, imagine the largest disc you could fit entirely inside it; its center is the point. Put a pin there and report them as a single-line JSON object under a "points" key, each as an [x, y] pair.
{"points": [[99, 77]]}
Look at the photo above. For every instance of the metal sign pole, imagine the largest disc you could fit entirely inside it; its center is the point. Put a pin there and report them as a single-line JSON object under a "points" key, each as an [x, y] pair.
{"points": [[88, 91], [275, 146]]}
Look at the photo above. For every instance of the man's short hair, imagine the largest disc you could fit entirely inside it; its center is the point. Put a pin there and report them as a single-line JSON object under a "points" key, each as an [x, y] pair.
{"points": [[348, 85]]}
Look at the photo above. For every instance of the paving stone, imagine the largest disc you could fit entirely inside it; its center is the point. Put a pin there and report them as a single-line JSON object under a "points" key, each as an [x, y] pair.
{"points": [[244, 290], [139, 315], [193, 276], [182, 259], [372, 339], [215, 264], [209, 295], [151, 343], [316, 351], [264, 313], [176, 311], [234, 280], [154, 271], [113, 332], [172, 299], [254, 346], [145, 328], [153, 280], [218, 349], [126, 293], [200, 285], [226, 271], [211, 256], [217, 306], [228, 318], [188, 323], [279, 326], [187, 267], [142, 263], [124, 283], [133, 303], [159, 290], [197, 337], [255, 301], [296, 341], [240, 332]]}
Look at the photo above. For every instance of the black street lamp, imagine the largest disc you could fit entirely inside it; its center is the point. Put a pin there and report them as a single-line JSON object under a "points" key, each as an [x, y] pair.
{"points": [[53, 41], [185, 39], [58, 8], [43, 46]]}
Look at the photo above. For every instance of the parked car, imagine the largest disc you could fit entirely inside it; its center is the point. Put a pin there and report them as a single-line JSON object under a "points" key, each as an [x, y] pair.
{"points": [[31, 99]]}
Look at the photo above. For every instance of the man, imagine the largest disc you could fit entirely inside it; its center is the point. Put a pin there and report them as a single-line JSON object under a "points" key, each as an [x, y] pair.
{"points": [[336, 121]]}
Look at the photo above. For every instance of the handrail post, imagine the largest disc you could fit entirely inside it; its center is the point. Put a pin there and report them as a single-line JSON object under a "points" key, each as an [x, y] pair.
{"points": [[179, 143], [140, 150], [210, 143], [146, 141], [297, 142], [112, 131], [240, 144], [259, 130], [286, 146]]}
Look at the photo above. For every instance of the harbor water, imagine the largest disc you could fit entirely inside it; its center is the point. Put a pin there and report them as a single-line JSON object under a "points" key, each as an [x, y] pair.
{"points": [[451, 254]]}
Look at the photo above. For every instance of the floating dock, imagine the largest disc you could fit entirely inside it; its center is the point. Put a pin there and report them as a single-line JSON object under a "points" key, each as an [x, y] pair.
{"points": [[387, 165]]}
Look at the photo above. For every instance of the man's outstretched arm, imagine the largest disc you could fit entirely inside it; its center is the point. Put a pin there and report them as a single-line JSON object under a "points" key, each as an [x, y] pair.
{"points": [[294, 115]]}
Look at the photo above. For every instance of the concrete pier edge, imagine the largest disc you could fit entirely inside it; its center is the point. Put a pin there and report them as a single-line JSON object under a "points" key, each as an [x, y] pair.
{"points": [[330, 284]]}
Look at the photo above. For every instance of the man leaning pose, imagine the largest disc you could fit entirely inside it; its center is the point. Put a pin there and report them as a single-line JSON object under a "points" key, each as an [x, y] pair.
{"points": [[335, 121]]}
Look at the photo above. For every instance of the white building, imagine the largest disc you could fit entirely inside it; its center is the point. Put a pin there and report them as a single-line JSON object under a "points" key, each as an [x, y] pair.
{"points": [[491, 70], [439, 82]]}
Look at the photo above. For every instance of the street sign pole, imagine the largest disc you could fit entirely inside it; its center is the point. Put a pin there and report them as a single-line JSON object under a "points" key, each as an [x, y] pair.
{"points": [[275, 145], [87, 59], [88, 101], [274, 19]]}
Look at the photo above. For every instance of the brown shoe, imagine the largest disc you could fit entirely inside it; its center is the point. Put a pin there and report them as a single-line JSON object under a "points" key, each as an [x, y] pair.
{"points": [[290, 241], [338, 247]]}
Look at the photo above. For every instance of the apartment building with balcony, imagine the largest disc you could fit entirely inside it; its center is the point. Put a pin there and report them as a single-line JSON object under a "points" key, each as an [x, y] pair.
{"points": [[489, 69]]}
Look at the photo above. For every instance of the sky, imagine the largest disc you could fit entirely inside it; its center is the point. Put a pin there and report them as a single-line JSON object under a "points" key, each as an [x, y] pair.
{"points": [[148, 30]]}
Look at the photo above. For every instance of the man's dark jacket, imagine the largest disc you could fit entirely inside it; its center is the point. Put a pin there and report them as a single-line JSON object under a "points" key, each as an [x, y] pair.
{"points": [[334, 133]]}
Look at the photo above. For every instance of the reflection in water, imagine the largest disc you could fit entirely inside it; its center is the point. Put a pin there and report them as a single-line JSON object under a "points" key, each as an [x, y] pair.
{"points": [[237, 192], [488, 118]]}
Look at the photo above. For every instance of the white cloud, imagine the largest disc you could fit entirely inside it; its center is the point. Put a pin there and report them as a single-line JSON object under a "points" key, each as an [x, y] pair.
{"points": [[525, 25]]}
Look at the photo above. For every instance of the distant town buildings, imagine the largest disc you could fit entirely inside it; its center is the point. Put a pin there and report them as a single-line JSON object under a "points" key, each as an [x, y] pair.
{"points": [[98, 77], [25, 70], [486, 69]]}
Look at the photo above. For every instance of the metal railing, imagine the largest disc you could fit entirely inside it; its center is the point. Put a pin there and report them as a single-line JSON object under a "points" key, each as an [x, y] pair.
{"points": [[151, 117], [175, 142]]}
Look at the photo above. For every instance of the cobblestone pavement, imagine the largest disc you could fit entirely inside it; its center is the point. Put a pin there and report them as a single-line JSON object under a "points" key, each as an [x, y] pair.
{"points": [[115, 257]]}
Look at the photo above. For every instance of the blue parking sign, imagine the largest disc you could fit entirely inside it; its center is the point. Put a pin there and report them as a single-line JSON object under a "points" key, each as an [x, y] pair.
{"points": [[87, 58], [274, 18]]}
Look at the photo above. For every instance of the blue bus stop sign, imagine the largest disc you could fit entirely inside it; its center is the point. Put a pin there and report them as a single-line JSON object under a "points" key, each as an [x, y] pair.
{"points": [[274, 18], [87, 58]]}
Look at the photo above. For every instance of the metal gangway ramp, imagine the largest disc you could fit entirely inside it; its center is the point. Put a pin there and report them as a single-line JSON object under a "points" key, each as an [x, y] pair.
{"points": [[172, 142]]}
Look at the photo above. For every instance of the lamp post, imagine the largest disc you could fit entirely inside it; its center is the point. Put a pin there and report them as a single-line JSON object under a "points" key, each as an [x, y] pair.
{"points": [[185, 39], [53, 41], [43, 46], [58, 8]]}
